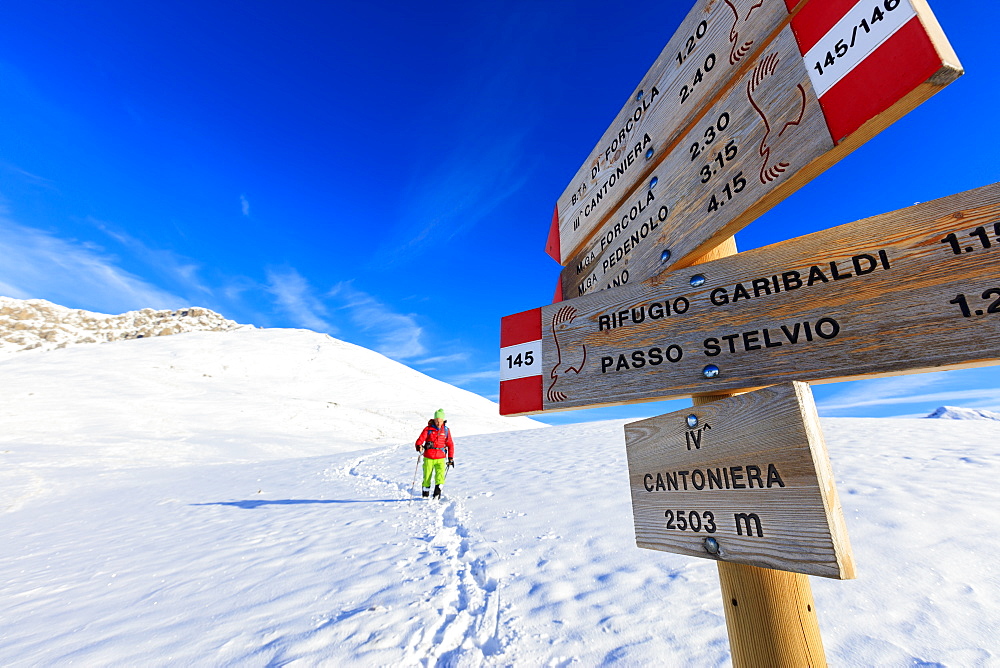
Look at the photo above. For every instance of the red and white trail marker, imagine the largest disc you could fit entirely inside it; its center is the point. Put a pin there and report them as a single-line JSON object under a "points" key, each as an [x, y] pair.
{"points": [[865, 56], [521, 362]]}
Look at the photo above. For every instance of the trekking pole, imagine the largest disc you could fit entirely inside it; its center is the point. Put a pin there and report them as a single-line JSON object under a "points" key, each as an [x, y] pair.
{"points": [[416, 471]]}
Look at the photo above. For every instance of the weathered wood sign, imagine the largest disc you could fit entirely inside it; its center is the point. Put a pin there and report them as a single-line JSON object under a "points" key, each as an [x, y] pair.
{"points": [[707, 144], [840, 73], [745, 480], [716, 41], [912, 290]]}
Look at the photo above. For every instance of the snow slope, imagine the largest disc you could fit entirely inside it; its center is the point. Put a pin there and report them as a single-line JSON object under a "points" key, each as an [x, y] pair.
{"points": [[174, 530], [230, 396]]}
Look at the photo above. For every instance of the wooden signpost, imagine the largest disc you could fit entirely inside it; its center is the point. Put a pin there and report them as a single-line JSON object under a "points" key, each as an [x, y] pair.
{"points": [[789, 117], [749, 101], [907, 291], [745, 479], [716, 42]]}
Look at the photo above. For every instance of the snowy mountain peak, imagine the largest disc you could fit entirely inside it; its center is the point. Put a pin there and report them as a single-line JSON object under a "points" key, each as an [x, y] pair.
{"points": [[955, 413], [39, 324]]}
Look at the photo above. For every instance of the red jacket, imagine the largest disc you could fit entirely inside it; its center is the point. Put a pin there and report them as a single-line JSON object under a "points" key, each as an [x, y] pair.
{"points": [[440, 441]]}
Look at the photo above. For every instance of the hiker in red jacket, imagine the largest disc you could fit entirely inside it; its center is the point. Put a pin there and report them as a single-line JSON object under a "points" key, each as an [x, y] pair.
{"points": [[435, 443]]}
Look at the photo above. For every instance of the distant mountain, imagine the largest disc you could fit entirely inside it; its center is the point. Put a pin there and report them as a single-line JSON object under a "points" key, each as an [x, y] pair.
{"points": [[954, 413], [38, 324]]}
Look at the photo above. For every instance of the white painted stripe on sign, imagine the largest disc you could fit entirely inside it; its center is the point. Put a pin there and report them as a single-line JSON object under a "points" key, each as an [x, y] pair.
{"points": [[853, 39], [521, 361]]}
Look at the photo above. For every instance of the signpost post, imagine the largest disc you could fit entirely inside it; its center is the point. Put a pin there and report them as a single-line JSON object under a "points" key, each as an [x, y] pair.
{"points": [[739, 111], [777, 624]]}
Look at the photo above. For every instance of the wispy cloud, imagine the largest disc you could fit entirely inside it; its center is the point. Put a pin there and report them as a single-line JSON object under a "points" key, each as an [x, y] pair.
{"points": [[471, 377], [181, 272], [487, 157], [460, 190], [987, 394], [295, 297], [8, 290], [937, 389], [28, 177], [877, 391], [443, 359], [36, 263], [396, 335], [245, 205]]}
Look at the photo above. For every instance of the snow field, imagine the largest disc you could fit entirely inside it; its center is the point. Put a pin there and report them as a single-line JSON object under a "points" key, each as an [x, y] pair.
{"points": [[923, 512], [528, 560], [199, 500]]}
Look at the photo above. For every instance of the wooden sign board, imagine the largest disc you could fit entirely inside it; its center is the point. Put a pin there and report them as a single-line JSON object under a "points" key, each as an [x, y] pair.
{"points": [[715, 42], [745, 479], [791, 116], [912, 290]]}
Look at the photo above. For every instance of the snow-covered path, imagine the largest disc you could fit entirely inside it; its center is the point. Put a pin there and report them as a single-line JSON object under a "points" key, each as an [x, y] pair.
{"points": [[330, 560], [528, 560], [442, 605]]}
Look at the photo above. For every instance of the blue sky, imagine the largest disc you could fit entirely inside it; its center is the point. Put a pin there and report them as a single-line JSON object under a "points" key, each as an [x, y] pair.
{"points": [[386, 172]]}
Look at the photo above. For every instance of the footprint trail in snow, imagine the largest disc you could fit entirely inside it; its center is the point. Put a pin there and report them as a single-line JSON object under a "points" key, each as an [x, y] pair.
{"points": [[454, 619]]}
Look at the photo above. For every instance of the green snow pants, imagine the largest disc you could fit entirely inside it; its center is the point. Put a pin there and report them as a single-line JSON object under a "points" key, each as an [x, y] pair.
{"points": [[435, 468]]}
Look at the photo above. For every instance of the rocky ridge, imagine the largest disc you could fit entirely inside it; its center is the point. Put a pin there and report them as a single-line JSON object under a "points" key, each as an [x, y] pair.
{"points": [[38, 324]]}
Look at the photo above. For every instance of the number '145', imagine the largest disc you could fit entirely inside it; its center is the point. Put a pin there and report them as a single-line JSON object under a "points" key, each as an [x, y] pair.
{"points": [[525, 359]]}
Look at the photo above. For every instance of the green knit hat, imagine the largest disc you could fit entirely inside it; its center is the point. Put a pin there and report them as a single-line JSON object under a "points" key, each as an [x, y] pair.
{"points": [[439, 414]]}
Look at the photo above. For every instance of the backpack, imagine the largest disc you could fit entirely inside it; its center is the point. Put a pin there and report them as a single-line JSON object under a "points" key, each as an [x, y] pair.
{"points": [[447, 432]]}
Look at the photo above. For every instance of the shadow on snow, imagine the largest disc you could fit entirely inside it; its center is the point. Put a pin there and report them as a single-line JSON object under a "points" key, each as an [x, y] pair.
{"points": [[250, 504]]}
